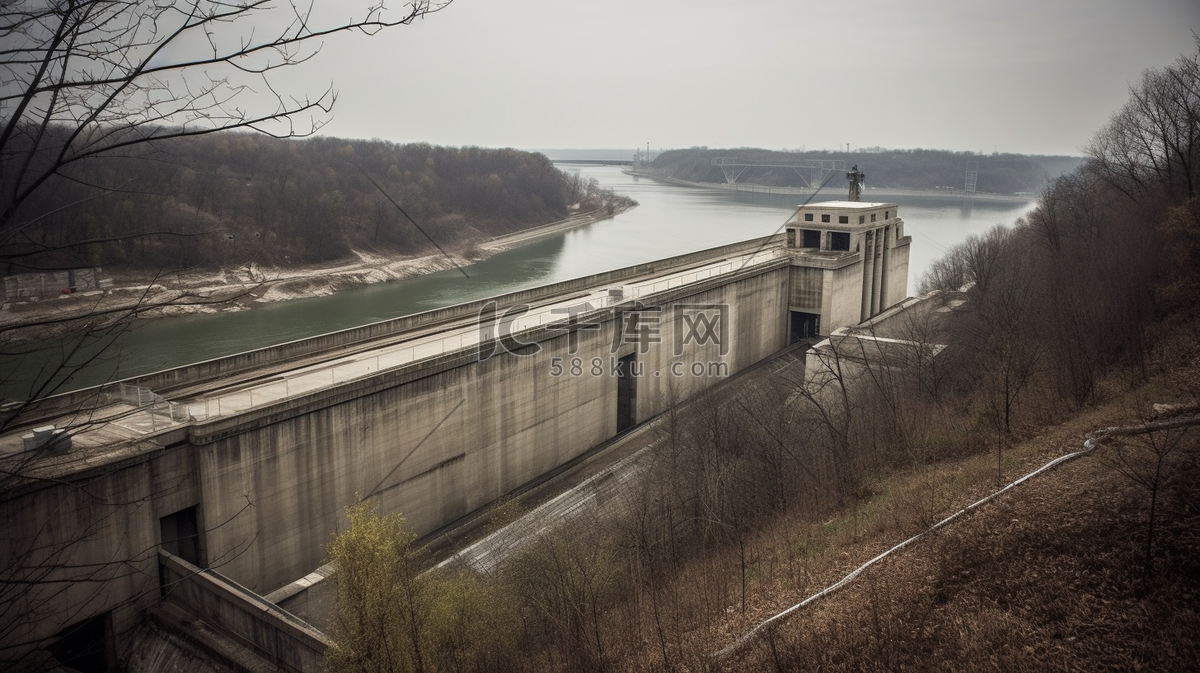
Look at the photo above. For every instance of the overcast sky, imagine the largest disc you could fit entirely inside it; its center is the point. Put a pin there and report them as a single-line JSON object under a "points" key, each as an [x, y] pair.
{"points": [[1031, 76]]}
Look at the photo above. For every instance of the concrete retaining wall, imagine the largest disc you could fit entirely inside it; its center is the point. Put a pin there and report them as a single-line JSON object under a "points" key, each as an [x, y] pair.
{"points": [[50, 284], [278, 636]]}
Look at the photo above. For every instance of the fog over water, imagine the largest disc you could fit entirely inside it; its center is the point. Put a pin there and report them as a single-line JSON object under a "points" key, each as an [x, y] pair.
{"points": [[670, 220]]}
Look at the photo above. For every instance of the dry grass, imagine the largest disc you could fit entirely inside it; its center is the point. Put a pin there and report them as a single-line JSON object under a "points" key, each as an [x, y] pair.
{"points": [[1048, 576]]}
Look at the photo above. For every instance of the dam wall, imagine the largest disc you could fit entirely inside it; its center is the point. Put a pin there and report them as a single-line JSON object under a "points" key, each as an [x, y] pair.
{"points": [[449, 436], [257, 493]]}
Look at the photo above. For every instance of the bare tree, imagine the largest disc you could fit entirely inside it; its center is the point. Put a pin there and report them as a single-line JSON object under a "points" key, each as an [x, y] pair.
{"points": [[1153, 142], [1146, 462], [79, 80], [83, 79]]}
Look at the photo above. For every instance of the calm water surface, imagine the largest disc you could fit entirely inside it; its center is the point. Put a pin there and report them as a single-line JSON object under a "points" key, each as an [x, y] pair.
{"points": [[669, 221]]}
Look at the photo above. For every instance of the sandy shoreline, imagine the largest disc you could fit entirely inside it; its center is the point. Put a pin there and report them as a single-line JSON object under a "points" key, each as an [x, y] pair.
{"points": [[241, 288]]}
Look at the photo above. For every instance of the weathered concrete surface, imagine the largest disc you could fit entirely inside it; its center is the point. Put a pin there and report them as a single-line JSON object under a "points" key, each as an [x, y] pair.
{"points": [[436, 436], [272, 633], [444, 444]]}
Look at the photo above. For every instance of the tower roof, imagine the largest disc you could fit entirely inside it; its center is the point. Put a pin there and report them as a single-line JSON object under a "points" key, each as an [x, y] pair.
{"points": [[845, 205]]}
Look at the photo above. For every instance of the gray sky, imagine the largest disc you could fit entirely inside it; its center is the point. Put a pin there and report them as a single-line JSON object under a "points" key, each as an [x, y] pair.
{"points": [[1032, 76]]}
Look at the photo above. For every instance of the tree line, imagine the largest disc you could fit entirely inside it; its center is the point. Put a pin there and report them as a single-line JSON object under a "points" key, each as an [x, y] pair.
{"points": [[900, 169], [232, 198]]}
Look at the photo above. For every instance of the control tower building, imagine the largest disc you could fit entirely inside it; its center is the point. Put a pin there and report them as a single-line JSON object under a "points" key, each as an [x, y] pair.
{"points": [[849, 263]]}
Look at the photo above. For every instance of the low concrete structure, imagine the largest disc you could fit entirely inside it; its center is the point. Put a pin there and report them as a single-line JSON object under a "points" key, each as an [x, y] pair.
{"points": [[51, 283]]}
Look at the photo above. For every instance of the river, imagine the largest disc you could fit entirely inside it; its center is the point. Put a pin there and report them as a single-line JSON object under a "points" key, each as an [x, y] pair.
{"points": [[670, 220]]}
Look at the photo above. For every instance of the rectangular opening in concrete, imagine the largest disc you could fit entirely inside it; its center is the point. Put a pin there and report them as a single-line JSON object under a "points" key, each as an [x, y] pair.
{"points": [[626, 393], [804, 326], [839, 240], [812, 238], [87, 646], [181, 535]]}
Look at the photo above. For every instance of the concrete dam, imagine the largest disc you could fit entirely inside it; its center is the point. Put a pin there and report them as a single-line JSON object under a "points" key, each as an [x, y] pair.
{"points": [[222, 481]]}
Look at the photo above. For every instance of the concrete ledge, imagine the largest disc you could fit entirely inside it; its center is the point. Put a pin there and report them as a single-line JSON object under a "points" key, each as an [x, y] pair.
{"points": [[223, 604]]}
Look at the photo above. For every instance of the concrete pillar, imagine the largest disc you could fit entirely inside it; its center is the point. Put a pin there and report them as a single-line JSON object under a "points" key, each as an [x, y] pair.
{"points": [[878, 262], [887, 269], [868, 271]]}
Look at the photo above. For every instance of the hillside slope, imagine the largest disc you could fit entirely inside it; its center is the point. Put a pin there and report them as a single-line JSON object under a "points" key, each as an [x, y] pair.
{"points": [[234, 198]]}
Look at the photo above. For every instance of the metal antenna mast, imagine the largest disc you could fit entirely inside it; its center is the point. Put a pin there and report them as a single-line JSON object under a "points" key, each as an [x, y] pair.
{"points": [[856, 178]]}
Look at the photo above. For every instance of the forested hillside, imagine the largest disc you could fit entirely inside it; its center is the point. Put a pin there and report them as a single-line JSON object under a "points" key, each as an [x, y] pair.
{"points": [[233, 198], [899, 169]]}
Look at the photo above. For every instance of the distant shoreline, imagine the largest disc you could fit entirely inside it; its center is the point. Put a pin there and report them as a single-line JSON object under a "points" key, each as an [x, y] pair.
{"points": [[869, 194]]}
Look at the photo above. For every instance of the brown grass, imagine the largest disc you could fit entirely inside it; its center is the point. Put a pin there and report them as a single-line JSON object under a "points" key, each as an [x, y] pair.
{"points": [[1047, 577]]}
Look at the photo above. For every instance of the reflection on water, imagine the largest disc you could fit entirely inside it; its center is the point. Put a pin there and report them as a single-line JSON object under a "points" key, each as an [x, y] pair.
{"points": [[670, 220]]}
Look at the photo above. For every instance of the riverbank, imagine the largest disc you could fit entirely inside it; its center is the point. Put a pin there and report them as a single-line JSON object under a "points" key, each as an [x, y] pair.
{"points": [[243, 287]]}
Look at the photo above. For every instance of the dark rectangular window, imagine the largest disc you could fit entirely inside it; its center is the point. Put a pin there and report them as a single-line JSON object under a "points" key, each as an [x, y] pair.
{"points": [[824, 218], [862, 219], [872, 217], [181, 535], [804, 326], [808, 217], [87, 646], [886, 214], [812, 238], [843, 219], [839, 240], [626, 393]]}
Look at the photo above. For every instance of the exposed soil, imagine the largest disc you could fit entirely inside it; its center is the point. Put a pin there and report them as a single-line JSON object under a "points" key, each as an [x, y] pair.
{"points": [[241, 288]]}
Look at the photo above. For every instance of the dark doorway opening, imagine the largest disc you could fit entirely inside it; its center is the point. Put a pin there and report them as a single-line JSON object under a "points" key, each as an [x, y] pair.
{"points": [[87, 646], [804, 326], [181, 535], [626, 393]]}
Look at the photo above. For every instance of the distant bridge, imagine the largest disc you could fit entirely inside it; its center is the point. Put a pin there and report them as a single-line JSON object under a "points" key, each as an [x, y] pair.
{"points": [[595, 162], [733, 168]]}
